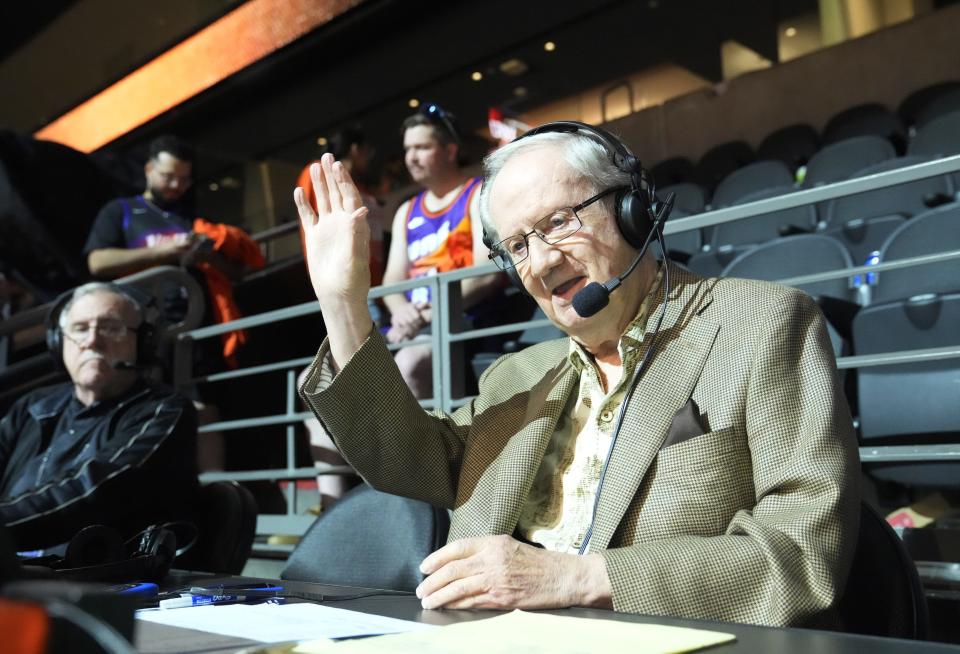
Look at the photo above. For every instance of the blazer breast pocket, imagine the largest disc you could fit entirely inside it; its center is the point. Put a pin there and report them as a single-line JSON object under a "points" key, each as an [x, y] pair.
{"points": [[687, 423]]}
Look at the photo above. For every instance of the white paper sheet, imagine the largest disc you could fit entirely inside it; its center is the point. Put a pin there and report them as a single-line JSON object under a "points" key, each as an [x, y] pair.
{"points": [[278, 623]]}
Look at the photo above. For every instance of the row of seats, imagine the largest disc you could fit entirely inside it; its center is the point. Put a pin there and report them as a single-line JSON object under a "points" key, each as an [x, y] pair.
{"points": [[935, 230], [795, 145], [862, 222]]}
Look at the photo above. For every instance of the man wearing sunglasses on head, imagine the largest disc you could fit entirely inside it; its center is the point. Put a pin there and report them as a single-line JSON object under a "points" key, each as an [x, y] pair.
{"points": [[686, 451], [436, 231], [108, 447]]}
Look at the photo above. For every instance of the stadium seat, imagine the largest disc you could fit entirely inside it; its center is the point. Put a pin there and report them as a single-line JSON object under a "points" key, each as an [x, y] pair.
{"points": [[906, 200], [910, 403], [864, 236], [883, 596], [865, 120], [226, 525], [690, 200], [939, 138], [793, 256], [915, 103], [752, 178], [672, 171], [764, 227], [934, 231], [838, 161], [369, 539], [712, 262], [720, 161], [793, 145], [946, 103]]}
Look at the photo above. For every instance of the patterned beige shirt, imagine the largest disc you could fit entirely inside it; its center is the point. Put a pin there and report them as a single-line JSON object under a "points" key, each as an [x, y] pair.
{"points": [[558, 511]]}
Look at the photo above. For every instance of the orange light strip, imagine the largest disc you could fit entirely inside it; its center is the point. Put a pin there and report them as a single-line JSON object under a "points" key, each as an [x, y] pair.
{"points": [[226, 46]]}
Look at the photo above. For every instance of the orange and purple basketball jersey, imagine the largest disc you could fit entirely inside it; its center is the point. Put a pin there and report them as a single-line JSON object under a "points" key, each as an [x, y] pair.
{"points": [[439, 241]]}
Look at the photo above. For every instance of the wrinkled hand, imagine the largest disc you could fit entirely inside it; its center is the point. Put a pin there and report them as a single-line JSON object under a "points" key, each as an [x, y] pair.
{"points": [[336, 234], [500, 572]]}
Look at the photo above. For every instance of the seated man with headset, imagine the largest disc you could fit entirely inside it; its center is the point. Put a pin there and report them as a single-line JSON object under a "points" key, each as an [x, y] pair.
{"points": [[687, 450], [109, 447]]}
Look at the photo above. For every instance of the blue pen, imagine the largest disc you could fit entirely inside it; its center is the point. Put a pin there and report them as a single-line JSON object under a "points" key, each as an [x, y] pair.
{"points": [[187, 599]]}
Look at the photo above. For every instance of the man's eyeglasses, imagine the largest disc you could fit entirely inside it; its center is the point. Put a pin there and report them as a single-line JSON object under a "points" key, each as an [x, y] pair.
{"points": [[111, 330], [551, 229]]}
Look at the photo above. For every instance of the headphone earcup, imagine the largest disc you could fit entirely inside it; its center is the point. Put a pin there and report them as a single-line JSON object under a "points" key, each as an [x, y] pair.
{"points": [[94, 545], [633, 218]]}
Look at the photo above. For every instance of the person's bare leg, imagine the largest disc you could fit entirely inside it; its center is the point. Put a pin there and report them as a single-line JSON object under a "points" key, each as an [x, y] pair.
{"points": [[415, 366]]}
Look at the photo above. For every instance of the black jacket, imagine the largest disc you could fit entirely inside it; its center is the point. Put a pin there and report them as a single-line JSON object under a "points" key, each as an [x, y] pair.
{"points": [[134, 463]]}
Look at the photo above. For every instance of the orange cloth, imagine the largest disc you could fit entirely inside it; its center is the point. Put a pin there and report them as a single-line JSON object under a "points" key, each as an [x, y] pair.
{"points": [[235, 245]]}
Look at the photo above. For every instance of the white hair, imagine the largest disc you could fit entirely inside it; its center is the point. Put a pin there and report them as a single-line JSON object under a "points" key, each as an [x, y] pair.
{"points": [[581, 150], [99, 287]]}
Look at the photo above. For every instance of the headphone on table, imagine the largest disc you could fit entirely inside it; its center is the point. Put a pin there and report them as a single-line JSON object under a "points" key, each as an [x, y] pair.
{"points": [[99, 553], [636, 208], [146, 332]]}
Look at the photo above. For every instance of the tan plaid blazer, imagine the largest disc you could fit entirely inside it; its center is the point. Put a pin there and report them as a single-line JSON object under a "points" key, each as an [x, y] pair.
{"points": [[752, 518]]}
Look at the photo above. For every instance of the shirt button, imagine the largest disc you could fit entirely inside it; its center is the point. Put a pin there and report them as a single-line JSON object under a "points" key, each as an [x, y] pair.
{"points": [[606, 415]]}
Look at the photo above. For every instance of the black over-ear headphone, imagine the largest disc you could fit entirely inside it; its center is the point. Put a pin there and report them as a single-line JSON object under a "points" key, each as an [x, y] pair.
{"points": [[146, 332], [99, 553], [634, 206]]}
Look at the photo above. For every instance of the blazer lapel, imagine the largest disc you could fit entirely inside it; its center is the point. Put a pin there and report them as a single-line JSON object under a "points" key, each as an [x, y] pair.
{"points": [[682, 347], [518, 463]]}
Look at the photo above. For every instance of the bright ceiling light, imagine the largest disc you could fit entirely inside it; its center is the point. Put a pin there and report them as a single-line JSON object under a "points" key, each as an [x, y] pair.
{"points": [[413, 102], [476, 76], [549, 46], [790, 32]]}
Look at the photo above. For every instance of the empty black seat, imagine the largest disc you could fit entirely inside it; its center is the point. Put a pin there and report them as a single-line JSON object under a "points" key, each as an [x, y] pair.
{"points": [[838, 161], [712, 262], [938, 138], [672, 171], [911, 403], [946, 103], [883, 596], [752, 178], [793, 256], [866, 120], [906, 200], [690, 200], [793, 145], [767, 226], [721, 160], [937, 230], [864, 236], [369, 539], [916, 102]]}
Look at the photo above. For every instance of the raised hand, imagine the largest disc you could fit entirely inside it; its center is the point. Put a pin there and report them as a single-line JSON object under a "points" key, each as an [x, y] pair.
{"points": [[337, 243], [336, 234]]}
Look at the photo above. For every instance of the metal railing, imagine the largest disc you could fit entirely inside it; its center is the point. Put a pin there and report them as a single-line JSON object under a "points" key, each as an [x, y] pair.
{"points": [[447, 337]]}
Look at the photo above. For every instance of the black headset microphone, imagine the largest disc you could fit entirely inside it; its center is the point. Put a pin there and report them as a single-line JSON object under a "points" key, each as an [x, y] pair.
{"points": [[593, 297]]}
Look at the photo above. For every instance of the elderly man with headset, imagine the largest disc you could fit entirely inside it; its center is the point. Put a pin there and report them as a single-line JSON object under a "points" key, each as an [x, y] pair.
{"points": [[686, 451]]}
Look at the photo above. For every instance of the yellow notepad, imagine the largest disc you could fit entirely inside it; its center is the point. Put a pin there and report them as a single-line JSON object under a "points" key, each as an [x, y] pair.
{"points": [[531, 633]]}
